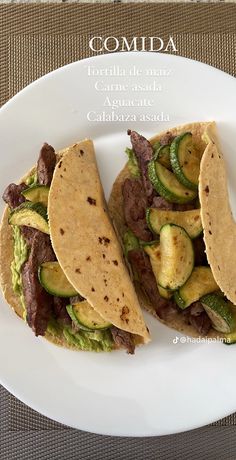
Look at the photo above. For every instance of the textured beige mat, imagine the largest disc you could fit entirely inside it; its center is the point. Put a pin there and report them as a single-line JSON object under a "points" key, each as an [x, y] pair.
{"points": [[35, 39]]}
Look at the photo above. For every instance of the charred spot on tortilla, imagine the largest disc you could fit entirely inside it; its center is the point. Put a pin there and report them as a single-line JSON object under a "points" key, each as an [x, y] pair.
{"points": [[61, 176], [210, 232], [92, 289], [88, 258], [106, 298], [212, 155], [118, 299], [81, 152], [115, 262], [104, 256], [125, 312], [62, 231], [59, 165], [218, 267], [77, 270], [104, 240], [64, 169], [91, 201], [207, 191]]}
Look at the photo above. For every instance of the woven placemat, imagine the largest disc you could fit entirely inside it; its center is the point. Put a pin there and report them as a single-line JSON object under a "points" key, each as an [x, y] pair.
{"points": [[35, 39]]}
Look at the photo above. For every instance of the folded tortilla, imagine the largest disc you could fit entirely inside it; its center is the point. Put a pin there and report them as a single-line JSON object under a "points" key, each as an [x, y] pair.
{"points": [[85, 241], [202, 133], [76, 179]]}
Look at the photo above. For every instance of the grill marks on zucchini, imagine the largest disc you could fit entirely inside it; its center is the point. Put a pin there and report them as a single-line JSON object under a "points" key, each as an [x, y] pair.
{"points": [[154, 252], [201, 282], [189, 220], [177, 257]]}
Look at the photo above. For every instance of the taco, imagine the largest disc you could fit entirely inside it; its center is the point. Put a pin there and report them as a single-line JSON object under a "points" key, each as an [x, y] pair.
{"points": [[61, 264], [169, 223]]}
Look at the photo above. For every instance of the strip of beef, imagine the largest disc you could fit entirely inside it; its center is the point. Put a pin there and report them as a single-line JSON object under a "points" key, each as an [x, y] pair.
{"points": [[140, 264], [201, 322], [161, 203], [144, 153], [12, 195], [28, 234], [46, 164], [167, 138], [123, 339], [197, 317], [39, 304], [199, 251], [196, 308], [135, 204], [60, 312]]}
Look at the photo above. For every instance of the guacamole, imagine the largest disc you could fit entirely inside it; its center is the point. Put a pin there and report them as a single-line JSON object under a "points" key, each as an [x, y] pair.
{"points": [[90, 341], [132, 163], [20, 256]]}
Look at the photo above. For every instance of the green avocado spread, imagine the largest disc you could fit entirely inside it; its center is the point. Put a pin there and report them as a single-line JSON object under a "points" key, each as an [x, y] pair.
{"points": [[90, 341], [87, 341], [20, 251], [132, 163]]}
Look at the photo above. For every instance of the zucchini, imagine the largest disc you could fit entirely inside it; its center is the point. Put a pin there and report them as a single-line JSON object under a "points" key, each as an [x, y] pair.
{"points": [[177, 257], [37, 194], [163, 156], [156, 147], [185, 160], [154, 253], [86, 318], [54, 281], [219, 312], [189, 220], [167, 185], [230, 338], [30, 214], [201, 282]]}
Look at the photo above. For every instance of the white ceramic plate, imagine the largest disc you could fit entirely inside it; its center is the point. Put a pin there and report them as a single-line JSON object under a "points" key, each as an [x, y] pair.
{"points": [[165, 388]]}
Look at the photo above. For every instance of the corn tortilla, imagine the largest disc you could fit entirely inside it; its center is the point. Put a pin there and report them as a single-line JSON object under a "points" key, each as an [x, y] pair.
{"points": [[200, 132], [218, 222], [85, 241]]}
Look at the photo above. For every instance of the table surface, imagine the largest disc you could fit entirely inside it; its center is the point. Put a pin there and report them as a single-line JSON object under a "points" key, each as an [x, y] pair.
{"points": [[27, 31]]}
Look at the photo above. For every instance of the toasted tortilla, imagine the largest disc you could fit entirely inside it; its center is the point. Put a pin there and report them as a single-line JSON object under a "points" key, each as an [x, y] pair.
{"points": [[115, 205], [85, 241], [218, 222], [6, 257]]}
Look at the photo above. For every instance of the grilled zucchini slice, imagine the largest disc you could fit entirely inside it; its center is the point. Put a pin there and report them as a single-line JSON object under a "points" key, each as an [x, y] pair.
{"points": [[200, 283], [185, 160], [86, 318], [32, 215], [219, 312], [154, 252], [167, 185], [177, 257], [54, 281], [189, 220], [37, 194]]}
